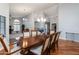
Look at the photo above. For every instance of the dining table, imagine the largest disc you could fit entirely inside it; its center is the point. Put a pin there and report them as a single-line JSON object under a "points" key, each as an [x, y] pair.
{"points": [[29, 42]]}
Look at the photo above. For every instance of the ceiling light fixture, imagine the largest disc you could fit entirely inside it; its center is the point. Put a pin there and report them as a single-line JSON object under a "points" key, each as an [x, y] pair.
{"points": [[41, 19]]}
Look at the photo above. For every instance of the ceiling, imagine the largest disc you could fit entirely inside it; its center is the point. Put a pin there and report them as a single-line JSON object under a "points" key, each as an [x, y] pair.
{"points": [[23, 9]]}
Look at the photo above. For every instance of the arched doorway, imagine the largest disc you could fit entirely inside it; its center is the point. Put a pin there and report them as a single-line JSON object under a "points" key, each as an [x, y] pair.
{"points": [[16, 25]]}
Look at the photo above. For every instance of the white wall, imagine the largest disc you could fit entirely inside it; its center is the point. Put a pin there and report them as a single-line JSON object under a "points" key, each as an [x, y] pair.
{"points": [[68, 18], [4, 11]]}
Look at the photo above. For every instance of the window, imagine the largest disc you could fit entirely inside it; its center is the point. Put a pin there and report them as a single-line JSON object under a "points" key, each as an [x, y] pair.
{"points": [[3, 25], [16, 25]]}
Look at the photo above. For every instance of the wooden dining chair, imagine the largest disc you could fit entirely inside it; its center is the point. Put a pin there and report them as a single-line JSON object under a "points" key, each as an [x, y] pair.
{"points": [[51, 32], [56, 39], [26, 34], [43, 49], [3, 44], [38, 33], [52, 42], [33, 33]]}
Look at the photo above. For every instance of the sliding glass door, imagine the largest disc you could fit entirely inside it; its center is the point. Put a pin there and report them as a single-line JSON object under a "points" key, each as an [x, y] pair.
{"points": [[2, 25]]}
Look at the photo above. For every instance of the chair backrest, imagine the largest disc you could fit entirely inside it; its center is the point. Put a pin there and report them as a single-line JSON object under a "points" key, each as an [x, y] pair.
{"points": [[26, 34], [33, 33], [51, 32], [45, 46], [57, 36], [3, 44], [38, 33], [52, 38], [17, 38]]}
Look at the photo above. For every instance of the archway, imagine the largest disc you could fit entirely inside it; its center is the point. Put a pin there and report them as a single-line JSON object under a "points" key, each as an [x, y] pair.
{"points": [[16, 25]]}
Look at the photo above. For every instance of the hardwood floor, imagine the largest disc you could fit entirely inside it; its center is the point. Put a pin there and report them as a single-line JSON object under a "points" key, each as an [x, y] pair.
{"points": [[67, 47]]}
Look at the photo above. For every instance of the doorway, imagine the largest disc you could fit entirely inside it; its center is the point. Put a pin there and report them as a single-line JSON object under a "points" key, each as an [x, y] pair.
{"points": [[54, 27]]}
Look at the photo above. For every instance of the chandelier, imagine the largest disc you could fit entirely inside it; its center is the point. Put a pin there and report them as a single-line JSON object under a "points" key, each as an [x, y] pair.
{"points": [[41, 19]]}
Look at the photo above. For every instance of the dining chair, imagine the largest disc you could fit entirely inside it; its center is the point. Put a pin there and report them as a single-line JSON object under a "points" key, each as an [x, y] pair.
{"points": [[56, 40], [38, 33], [52, 42], [51, 32], [26, 34], [2, 40], [43, 49], [33, 33]]}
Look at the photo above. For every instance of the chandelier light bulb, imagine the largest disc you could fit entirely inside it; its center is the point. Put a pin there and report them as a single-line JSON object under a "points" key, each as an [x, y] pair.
{"points": [[38, 20], [44, 20]]}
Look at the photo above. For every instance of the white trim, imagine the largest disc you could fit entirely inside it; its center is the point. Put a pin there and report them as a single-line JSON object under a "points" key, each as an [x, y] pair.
{"points": [[68, 39]]}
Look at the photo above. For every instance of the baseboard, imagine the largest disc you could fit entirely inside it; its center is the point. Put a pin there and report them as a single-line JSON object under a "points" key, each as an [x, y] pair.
{"points": [[68, 39]]}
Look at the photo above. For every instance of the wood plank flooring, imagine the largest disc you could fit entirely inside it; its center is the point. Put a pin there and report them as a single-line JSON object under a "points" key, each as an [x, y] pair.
{"points": [[67, 47]]}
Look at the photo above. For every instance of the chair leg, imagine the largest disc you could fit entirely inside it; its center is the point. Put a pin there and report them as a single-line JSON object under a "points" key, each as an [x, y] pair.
{"points": [[53, 47], [48, 53], [22, 51], [57, 45]]}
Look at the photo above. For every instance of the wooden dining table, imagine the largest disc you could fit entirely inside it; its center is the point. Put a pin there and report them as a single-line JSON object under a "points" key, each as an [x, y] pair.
{"points": [[31, 43]]}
